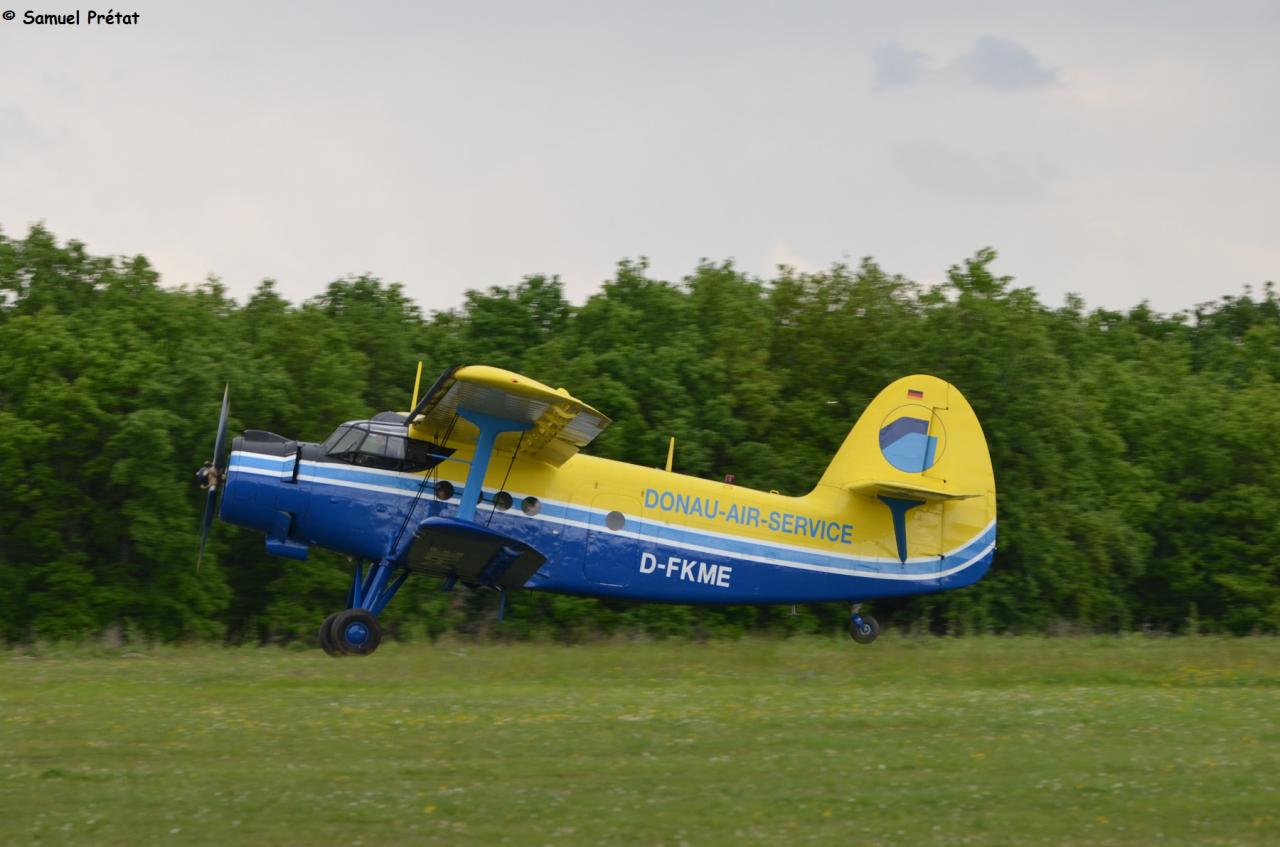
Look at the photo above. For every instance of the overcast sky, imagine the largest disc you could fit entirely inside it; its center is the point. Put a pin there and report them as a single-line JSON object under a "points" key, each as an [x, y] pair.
{"points": [[1123, 151]]}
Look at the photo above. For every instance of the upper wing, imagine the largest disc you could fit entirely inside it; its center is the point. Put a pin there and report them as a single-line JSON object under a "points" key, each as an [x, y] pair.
{"points": [[562, 424]]}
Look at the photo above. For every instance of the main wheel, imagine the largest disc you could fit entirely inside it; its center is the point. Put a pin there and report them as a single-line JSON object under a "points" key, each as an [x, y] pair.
{"points": [[866, 632], [326, 637], [355, 632]]}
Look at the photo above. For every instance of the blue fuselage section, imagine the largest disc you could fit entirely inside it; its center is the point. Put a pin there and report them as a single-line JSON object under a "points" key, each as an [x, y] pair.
{"points": [[371, 515]]}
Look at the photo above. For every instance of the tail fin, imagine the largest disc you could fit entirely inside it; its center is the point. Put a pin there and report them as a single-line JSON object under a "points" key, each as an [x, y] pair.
{"points": [[919, 450]]}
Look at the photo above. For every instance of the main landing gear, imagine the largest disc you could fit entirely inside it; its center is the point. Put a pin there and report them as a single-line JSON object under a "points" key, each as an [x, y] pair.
{"points": [[862, 628], [355, 631]]}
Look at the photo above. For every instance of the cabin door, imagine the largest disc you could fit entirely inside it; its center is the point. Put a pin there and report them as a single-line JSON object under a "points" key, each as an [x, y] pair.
{"points": [[610, 553]]}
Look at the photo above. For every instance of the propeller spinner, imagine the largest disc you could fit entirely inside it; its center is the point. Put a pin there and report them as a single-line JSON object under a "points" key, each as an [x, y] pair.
{"points": [[213, 472]]}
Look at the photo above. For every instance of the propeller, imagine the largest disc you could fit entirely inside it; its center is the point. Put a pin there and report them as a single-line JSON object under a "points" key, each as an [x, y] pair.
{"points": [[213, 473]]}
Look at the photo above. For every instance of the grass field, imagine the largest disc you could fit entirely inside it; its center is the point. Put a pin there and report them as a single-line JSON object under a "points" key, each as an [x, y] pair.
{"points": [[988, 741]]}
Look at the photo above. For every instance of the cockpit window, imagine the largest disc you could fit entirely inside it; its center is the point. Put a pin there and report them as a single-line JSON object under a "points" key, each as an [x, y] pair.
{"points": [[345, 440], [375, 444], [381, 445]]}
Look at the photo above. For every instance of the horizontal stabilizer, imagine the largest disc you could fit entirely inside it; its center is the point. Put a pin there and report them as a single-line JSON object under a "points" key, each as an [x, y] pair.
{"points": [[908, 490], [471, 553]]}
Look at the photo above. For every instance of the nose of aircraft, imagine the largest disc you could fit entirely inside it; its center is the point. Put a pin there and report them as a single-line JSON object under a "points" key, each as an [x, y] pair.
{"points": [[262, 467]]}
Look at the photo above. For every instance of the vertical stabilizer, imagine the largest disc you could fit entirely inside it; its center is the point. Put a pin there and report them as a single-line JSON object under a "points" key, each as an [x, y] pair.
{"points": [[917, 464]]}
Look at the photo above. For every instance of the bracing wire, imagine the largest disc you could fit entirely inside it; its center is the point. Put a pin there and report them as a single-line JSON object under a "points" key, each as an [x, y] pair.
{"points": [[506, 476], [422, 487]]}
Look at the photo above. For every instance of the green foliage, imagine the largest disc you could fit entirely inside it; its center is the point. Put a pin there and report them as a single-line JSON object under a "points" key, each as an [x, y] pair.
{"points": [[1139, 485]]}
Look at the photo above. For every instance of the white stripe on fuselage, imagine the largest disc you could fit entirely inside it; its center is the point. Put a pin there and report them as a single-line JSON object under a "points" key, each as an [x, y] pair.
{"points": [[649, 539]]}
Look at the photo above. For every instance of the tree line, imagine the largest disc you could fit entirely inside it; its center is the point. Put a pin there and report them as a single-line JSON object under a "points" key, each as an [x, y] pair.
{"points": [[1135, 457]]}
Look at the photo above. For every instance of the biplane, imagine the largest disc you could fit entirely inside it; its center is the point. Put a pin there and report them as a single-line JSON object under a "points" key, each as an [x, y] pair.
{"points": [[484, 482]]}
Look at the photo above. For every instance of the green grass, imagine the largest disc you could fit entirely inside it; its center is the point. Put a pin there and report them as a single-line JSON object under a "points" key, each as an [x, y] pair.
{"points": [[984, 741]]}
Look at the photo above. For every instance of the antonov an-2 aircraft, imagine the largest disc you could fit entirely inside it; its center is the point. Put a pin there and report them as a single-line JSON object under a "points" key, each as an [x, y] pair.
{"points": [[483, 483]]}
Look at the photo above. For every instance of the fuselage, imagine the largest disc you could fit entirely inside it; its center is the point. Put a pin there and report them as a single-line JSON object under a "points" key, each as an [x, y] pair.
{"points": [[607, 528]]}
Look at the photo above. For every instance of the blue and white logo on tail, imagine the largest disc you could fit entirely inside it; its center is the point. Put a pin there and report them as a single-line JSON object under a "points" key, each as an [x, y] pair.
{"points": [[912, 439]]}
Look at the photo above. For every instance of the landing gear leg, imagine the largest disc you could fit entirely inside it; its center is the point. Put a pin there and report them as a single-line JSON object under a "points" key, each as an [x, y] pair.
{"points": [[356, 632], [862, 628]]}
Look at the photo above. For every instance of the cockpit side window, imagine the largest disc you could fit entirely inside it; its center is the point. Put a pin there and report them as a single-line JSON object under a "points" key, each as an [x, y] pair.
{"points": [[376, 446], [381, 450], [395, 448]]}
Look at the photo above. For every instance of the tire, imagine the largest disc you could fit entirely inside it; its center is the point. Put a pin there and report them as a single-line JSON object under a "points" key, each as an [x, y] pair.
{"points": [[867, 633], [355, 632], [326, 637]]}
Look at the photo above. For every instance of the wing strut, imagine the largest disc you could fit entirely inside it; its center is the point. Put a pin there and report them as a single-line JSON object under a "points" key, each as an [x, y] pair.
{"points": [[490, 426]]}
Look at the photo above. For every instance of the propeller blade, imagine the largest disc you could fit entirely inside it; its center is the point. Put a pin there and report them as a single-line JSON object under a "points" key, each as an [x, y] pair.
{"points": [[219, 463], [220, 444], [210, 509]]}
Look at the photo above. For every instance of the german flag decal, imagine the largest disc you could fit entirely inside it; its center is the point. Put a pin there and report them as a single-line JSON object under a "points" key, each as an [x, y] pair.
{"points": [[915, 395]]}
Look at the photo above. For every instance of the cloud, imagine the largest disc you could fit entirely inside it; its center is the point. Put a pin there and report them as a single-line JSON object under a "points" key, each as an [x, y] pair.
{"points": [[997, 63], [897, 65], [991, 63]]}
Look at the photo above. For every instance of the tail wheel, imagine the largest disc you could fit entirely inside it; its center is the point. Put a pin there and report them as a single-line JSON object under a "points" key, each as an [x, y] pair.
{"points": [[864, 629], [355, 632], [326, 637]]}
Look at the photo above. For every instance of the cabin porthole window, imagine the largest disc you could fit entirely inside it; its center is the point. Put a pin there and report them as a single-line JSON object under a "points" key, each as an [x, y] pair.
{"points": [[502, 501], [444, 490], [530, 506], [615, 520]]}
